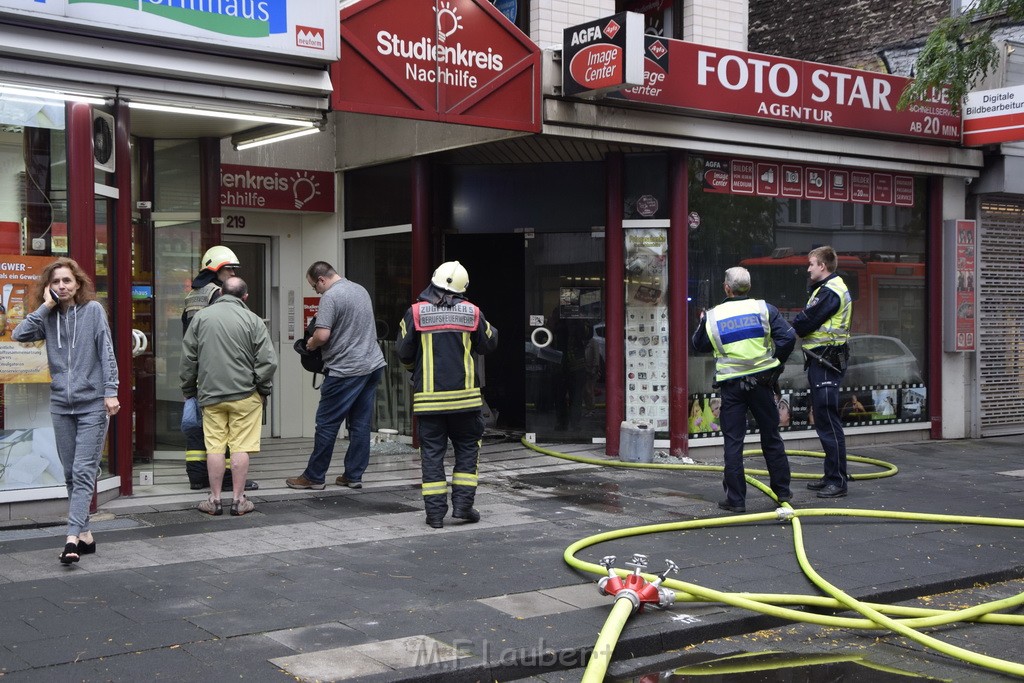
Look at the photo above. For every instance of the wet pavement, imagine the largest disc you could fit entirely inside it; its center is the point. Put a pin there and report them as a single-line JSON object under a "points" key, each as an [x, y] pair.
{"points": [[349, 584]]}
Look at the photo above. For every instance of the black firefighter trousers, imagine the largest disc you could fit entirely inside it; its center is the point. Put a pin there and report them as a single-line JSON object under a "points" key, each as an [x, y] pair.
{"points": [[465, 431]]}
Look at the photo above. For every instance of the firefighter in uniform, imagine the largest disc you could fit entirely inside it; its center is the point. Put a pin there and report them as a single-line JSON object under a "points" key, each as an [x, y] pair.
{"points": [[437, 340], [824, 325], [217, 265], [750, 341]]}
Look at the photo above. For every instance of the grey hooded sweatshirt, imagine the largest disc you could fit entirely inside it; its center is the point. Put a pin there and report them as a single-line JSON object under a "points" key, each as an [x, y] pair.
{"points": [[83, 370]]}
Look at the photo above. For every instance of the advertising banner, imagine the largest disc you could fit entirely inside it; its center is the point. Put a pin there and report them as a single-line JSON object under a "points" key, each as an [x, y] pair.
{"points": [[723, 175], [281, 189], [647, 327], [704, 78], [966, 286], [20, 363], [455, 61], [298, 28], [993, 116], [603, 55]]}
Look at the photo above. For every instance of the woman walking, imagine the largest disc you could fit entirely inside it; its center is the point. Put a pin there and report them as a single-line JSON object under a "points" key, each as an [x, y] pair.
{"points": [[83, 385]]}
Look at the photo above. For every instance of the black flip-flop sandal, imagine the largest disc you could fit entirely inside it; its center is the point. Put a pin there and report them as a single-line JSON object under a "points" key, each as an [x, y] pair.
{"points": [[70, 553], [86, 548]]}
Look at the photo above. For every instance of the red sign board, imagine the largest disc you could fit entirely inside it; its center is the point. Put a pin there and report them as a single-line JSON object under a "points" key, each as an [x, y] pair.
{"points": [[994, 116], [603, 55], [280, 189], [860, 187], [838, 186], [966, 285], [456, 61], [712, 79], [310, 306], [795, 181]]}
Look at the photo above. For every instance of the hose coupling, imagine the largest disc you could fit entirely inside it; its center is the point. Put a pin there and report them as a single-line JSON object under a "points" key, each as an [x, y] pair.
{"points": [[630, 595], [784, 514], [666, 597]]}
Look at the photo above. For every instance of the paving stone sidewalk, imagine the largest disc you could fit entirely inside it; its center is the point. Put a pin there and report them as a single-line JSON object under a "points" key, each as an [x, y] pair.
{"points": [[352, 585]]}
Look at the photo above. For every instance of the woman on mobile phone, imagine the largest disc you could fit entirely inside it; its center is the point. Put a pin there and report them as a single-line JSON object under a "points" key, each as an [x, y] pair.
{"points": [[83, 384]]}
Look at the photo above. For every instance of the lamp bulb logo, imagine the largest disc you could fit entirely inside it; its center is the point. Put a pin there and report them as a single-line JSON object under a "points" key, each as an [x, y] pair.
{"points": [[304, 188], [448, 22]]}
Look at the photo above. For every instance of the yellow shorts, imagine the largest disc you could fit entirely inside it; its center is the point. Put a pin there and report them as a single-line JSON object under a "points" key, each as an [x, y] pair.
{"points": [[234, 424]]}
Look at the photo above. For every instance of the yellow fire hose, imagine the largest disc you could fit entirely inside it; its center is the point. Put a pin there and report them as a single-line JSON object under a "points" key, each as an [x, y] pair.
{"points": [[903, 620]]}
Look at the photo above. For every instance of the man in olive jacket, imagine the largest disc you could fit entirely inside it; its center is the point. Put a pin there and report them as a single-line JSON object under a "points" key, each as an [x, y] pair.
{"points": [[228, 362]]}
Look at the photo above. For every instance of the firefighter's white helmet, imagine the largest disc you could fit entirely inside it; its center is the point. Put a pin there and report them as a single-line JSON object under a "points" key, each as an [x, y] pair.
{"points": [[451, 276], [217, 257]]}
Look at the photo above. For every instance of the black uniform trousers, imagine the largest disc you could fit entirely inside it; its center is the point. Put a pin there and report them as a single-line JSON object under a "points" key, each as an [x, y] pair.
{"points": [[760, 400], [195, 463], [465, 431], [825, 385]]}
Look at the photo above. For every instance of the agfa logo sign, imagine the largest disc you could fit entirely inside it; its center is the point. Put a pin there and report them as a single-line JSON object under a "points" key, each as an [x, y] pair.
{"points": [[447, 60]]}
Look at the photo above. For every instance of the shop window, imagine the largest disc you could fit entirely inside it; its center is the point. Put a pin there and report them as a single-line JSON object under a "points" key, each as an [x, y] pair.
{"points": [[176, 169], [383, 265], [378, 196], [881, 258], [557, 197], [33, 229], [661, 17], [646, 187]]}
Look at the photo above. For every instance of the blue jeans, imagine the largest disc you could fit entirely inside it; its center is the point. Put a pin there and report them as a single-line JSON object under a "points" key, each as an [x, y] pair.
{"points": [[340, 398]]}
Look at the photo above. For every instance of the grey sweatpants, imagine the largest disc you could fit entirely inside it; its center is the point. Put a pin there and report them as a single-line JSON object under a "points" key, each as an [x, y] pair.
{"points": [[80, 447]]}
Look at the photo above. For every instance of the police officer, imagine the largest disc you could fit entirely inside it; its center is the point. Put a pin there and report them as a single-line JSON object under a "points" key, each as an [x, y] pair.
{"points": [[824, 325], [217, 265], [436, 342], [751, 341]]}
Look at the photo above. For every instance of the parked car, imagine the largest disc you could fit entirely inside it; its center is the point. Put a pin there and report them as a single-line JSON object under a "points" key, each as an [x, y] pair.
{"points": [[874, 361]]}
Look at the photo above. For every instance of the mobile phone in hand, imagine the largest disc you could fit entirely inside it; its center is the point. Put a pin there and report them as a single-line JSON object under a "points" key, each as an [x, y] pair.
{"points": [[53, 294]]}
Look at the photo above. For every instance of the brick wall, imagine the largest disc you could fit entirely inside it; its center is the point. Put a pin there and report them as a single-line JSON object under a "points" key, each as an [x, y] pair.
{"points": [[845, 34], [549, 17], [722, 23]]}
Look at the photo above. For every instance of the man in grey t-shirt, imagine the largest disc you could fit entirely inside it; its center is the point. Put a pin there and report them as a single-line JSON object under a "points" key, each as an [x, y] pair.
{"points": [[346, 333]]}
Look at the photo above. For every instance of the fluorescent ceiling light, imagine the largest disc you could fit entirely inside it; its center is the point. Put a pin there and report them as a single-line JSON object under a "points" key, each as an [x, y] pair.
{"points": [[242, 141], [55, 95], [212, 113]]}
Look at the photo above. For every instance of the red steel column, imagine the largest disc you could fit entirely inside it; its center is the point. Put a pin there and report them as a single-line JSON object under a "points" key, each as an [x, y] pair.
{"points": [[935, 305], [615, 304], [209, 193], [422, 254], [121, 296], [81, 204], [679, 285]]}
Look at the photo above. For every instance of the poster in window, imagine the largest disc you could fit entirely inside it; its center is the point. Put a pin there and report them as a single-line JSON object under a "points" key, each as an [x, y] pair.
{"points": [[20, 363]]}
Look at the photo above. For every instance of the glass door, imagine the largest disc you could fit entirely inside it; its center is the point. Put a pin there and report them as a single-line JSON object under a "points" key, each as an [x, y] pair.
{"points": [[254, 255], [565, 398], [177, 250]]}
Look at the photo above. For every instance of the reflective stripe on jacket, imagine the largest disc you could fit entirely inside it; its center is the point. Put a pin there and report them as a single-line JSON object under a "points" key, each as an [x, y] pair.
{"points": [[741, 338], [835, 330], [437, 343]]}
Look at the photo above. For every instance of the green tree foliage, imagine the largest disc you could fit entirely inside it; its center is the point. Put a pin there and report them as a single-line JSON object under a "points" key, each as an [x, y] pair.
{"points": [[960, 51]]}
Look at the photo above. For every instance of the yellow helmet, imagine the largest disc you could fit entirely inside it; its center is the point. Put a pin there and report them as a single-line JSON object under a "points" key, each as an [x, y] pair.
{"points": [[451, 276], [217, 257]]}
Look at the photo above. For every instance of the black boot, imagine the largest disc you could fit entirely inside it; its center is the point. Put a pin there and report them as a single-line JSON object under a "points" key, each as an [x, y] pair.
{"points": [[436, 507], [198, 478]]}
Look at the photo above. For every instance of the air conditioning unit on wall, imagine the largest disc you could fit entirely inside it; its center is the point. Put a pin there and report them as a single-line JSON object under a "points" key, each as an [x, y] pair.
{"points": [[103, 141]]}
